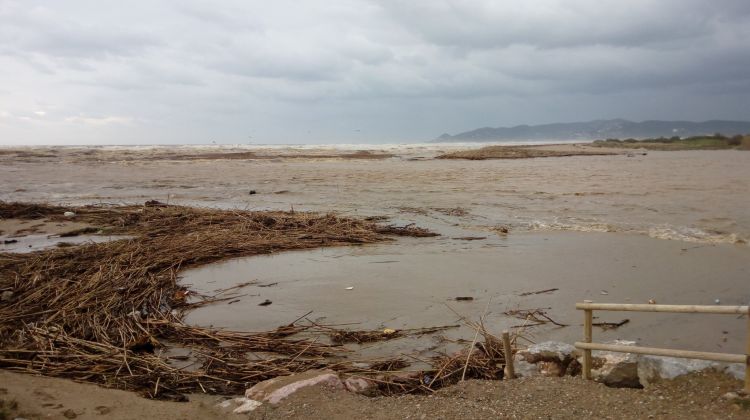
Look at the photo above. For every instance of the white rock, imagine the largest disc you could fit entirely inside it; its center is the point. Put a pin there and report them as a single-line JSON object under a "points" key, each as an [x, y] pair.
{"points": [[69, 214], [731, 396], [652, 369], [550, 350], [276, 389], [619, 369], [248, 406], [225, 404], [616, 369], [524, 369], [735, 370], [550, 358]]}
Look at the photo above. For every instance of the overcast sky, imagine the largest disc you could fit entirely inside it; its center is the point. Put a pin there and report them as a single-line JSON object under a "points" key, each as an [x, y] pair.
{"points": [[339, 71]]}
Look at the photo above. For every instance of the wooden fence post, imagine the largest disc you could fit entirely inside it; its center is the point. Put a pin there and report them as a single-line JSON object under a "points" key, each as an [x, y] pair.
{"points": [[510, 371], [587, 345], [587, 337]]}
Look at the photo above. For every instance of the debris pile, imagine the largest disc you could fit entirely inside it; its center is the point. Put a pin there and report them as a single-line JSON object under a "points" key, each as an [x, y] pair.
{"points": [[107, 312]]}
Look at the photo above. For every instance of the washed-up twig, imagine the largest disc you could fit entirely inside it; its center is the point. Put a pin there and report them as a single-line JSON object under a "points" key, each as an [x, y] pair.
{"points": [[611, 325], [539, 292], [367, 336], [238, 286], [538, 315]]}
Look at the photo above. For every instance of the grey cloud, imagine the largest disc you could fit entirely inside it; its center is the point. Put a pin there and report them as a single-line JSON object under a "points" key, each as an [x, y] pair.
{"points": [[289, 71], [491, 24], [37, 31]]}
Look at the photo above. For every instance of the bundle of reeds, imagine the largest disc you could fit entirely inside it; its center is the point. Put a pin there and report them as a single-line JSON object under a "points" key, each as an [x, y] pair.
{"points": [[107, 312]]}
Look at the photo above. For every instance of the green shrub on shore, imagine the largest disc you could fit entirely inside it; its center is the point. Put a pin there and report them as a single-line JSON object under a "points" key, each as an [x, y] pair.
{"points": [[713, 142]]}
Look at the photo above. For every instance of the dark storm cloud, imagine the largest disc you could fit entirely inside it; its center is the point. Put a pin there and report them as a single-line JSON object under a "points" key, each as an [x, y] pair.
{"points": [[488, 24], [287, 71]]}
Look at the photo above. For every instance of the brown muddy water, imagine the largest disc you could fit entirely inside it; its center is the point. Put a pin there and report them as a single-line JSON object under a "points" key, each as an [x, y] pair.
{"points": [[413, 283], [668, 226]]}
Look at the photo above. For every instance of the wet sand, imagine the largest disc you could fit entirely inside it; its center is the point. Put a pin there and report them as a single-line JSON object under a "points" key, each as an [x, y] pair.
{"points": [[669, 226]]}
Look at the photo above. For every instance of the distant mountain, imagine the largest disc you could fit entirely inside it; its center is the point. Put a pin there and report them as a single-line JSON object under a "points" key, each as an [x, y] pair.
{"points": [[601, 129]]}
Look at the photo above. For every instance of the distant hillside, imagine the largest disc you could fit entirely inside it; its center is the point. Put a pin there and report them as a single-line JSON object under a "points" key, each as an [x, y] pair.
{"points": [[601, 129]]}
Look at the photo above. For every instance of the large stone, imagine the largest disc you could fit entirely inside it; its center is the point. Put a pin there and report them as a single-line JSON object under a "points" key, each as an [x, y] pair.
{"points": [[549, 350], [652, 369], [550, 358], [247, 406], [618, 370], [735, 370], [524, 369], [275, 390], [239, 405]]}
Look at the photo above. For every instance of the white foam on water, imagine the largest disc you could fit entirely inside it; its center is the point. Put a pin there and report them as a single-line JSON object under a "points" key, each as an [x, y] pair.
{"points": [[666, 232], [691, 234], [577, 227]]}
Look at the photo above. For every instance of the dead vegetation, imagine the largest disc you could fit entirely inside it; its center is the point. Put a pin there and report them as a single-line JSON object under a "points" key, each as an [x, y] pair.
{"points": [[355, 336], [361, 154], [534, 316], [110, 312], [514, 152]]}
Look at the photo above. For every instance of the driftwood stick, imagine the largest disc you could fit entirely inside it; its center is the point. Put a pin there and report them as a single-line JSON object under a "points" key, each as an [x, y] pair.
{"points": [[510, 372]]}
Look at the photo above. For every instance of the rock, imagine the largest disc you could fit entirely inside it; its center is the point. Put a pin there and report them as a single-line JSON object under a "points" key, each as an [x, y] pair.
{"points": [[619, 370], [524, 369], [276, 389], [550, 368], [735, 370], [225, 404], [730, 396], [360, 386], [652, 369], [549, 350], [69, 214], [247, 406], [239, 405], [550, 358]]}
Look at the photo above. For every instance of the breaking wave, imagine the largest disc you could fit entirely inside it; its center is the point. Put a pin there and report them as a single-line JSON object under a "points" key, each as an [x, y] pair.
{"points": [[672, 233]]}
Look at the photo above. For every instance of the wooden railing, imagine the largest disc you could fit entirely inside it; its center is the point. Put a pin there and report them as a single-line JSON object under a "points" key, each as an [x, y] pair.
{"points": [[587, 345]]}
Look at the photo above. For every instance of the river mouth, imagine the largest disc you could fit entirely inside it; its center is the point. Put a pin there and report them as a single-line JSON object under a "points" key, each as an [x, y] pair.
{"points": [[414, 283]]}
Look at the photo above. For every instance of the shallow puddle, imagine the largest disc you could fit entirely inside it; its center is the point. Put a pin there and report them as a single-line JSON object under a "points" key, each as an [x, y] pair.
{"points": [[21, 236], [30, 243], [412, 283]]}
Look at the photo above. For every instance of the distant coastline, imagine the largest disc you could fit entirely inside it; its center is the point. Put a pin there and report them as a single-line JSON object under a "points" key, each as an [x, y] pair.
{"points": [[599, 130]]}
